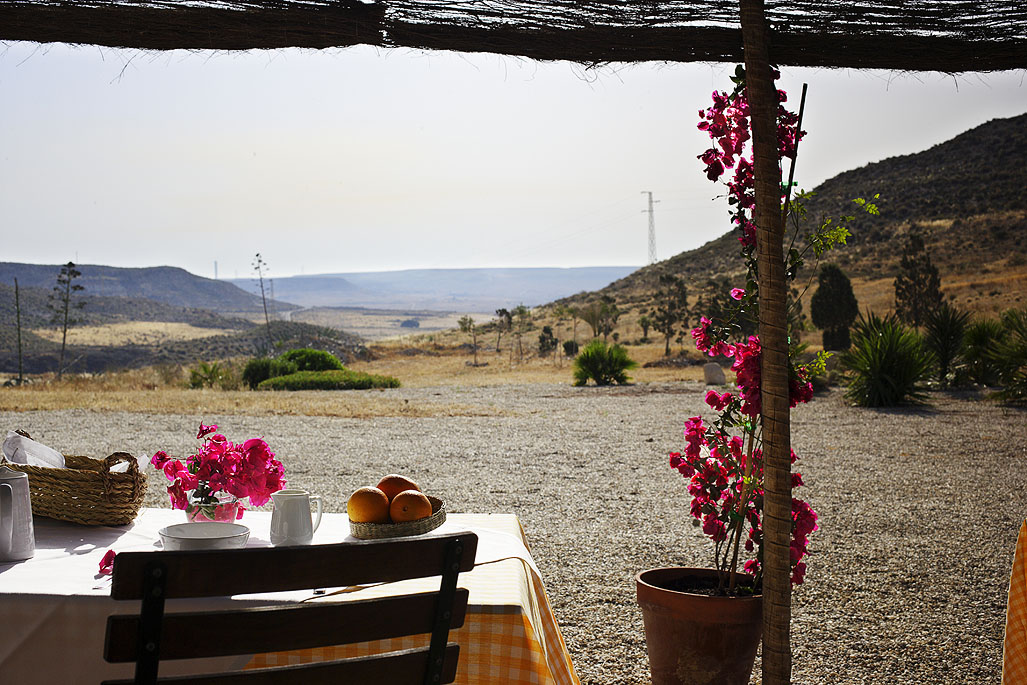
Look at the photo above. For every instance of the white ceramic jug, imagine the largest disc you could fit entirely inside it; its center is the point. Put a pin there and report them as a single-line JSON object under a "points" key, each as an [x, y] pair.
{"points": [[290, 519], [17, 539]]}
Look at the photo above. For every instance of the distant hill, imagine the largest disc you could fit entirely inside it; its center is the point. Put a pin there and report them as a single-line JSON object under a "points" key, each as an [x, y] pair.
{"points": [[166, 284], [966, 196], [443, 289], [41, 355]]}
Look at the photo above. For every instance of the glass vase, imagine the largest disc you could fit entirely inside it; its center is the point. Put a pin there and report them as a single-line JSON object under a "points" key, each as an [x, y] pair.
{"points": [[225, 509]]}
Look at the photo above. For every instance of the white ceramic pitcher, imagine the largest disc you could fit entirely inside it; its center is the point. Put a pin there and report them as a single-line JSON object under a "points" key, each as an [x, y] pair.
{"points": [[17, 539], [291, 517]]}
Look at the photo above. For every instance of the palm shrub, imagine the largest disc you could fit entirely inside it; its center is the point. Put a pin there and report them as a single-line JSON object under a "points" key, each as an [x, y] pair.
{"points": [[206, 375], [886, 364], [979, 350], [945, 338], [604, 364], [1010, 354]]}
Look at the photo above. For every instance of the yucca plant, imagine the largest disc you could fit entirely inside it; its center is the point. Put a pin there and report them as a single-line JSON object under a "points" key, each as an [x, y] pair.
{"points": [[979, 350], [945, 338], [1010, 355], [886, 364], [603, 364]]}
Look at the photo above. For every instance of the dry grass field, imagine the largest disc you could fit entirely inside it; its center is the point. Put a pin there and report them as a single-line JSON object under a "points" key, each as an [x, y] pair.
{"points": [[416, 365], [131, 333], [378, 324]]}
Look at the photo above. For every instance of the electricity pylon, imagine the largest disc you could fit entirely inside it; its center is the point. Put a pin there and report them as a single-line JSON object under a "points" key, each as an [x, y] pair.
{"points": [[652, 227]]}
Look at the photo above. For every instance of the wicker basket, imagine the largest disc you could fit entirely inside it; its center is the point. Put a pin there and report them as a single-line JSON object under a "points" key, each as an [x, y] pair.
{"points": [[377, 531], [86, 491]]}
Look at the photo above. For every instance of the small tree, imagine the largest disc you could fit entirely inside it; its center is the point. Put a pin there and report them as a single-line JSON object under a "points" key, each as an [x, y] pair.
{"points": [[467, 326], [601, 316], [61, 302], [260, 268], [523, 315], [645, 323], [918, 286], [671, 308], [504, 322], [834, 307], [546, 341]]}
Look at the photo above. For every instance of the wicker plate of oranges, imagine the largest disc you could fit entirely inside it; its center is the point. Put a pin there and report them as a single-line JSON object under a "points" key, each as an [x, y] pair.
{"points": [[394, 508]]}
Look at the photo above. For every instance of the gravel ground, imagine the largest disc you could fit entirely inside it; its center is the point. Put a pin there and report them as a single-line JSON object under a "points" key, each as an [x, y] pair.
{"points": [[908, 575]]}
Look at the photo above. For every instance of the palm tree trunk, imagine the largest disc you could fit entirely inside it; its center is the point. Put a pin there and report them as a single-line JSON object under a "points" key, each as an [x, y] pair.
{"points": [[777, 514]]}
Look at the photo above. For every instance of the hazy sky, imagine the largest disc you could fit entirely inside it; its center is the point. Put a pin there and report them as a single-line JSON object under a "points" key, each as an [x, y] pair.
{"points": [[363, 159]]}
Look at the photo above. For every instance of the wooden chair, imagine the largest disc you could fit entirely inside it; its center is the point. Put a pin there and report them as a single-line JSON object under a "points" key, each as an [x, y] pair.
{"points": [[154, 636]]}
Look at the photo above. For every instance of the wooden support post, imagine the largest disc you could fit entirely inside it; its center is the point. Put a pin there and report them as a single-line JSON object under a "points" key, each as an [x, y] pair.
{"points": [[777, 502]]}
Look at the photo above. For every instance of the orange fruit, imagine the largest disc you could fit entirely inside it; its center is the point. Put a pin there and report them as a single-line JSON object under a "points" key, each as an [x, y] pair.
{"points": [[409, 505], [368, 505], [393, 484]]}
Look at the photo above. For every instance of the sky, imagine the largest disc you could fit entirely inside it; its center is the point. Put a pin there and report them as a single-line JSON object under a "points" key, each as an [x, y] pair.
{"points": [[364, 159]]}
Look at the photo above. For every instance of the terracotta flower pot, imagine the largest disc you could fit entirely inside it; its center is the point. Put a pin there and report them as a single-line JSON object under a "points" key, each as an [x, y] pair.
{"points": [[697, 639]]}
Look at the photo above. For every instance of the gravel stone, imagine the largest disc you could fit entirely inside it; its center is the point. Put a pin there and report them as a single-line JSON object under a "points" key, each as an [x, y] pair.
{"points": [[908, 575]]}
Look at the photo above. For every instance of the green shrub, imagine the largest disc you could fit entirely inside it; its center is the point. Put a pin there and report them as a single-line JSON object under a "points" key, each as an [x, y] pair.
{"points": [[307, 359], [603, 364], [982, 337], [260, 369], [1010, 354], [946, 331], [570, 348], [886, 364], [334, 379]]}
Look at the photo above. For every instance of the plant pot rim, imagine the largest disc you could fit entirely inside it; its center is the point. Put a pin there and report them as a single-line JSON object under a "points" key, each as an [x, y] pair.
{"points": [[649, 578]]}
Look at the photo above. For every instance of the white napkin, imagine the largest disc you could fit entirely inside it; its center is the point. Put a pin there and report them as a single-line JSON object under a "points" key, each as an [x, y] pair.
{"points": [[21, 450]]}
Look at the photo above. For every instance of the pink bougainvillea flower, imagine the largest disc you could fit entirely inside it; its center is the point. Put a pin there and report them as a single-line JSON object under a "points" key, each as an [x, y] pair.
{"points": [[159, 459], [107, 563], [737, 293], [205, 431]]}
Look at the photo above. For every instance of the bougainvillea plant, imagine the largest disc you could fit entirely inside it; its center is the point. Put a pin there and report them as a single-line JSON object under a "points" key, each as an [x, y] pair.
{"points": [[723, 458], [221, 470]]}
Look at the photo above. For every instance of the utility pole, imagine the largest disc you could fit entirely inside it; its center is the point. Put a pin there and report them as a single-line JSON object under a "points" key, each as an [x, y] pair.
{"points": [[652, 226], [17, 309]]}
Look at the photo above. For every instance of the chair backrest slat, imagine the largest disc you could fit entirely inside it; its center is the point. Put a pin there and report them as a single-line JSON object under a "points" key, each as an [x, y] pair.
{"points": [[407, 666], [155, 635], [277, 569], [281, 628]]}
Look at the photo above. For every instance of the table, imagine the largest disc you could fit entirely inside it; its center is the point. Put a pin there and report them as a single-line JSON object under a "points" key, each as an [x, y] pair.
{"points": [[54, 606]]}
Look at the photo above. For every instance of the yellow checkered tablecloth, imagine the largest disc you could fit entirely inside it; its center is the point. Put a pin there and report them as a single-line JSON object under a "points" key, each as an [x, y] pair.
{"points": [[509, 635], [1014, 653]]}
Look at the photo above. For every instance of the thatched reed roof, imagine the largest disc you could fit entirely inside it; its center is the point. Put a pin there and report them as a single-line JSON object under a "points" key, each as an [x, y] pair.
{"points": [[914, 35]]}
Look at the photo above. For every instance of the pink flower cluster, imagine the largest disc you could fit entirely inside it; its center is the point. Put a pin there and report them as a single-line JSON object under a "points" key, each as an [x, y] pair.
{"points": [[243, 470], [727, 491], [747, 367], [727, 123]]}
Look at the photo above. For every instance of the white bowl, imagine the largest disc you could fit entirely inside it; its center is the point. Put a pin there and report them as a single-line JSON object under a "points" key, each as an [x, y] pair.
{"points": [[212, 535]]}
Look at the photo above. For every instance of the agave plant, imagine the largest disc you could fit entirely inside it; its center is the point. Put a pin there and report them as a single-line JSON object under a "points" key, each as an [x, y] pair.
{"points": [[603, 364], [1010, 353], [982, 337], [946, 335], [886, 364]]}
